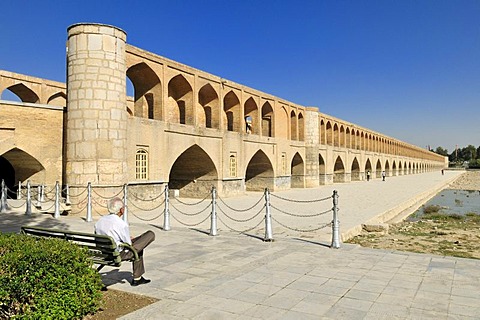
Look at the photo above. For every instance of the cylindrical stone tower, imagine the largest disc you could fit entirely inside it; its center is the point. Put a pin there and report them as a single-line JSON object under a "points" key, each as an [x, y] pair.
{"points": [[96, 141]]}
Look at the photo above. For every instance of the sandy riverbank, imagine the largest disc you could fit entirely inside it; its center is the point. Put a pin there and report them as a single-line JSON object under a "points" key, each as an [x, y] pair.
{"points": [[470, 180]]}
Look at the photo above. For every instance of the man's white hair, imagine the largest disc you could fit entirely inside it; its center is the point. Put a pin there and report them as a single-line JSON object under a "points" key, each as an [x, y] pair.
{"points": [[114, 205]]}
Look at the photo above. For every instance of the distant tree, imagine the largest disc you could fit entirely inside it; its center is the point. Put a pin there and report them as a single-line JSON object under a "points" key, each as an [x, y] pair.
{"points": [[478, 152], [440, 150]]}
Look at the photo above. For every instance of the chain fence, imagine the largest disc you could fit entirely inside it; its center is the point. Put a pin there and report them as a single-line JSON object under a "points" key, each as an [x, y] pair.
{"points": [[293, 215]]}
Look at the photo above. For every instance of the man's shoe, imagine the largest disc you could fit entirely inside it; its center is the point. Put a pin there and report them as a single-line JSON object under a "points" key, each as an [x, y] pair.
{"points": [[140, 281]]}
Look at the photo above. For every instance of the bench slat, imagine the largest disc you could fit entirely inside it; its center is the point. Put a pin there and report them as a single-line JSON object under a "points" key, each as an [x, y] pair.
{"points": [[102, 248]]}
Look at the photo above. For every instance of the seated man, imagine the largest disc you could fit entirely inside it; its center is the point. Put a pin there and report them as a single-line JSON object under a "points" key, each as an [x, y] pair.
{"points": [[112, 225]]}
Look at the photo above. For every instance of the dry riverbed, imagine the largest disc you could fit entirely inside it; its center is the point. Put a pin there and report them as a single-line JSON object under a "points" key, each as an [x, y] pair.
{"points": [[436, 233]]}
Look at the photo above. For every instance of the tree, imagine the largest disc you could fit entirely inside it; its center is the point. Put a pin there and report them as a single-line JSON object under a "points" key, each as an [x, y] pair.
{"points": [[441, 151]]}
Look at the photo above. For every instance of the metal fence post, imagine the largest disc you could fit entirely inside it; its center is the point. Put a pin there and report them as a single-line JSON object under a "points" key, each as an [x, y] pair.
{"points": [[28, 204], [56, 214], [39, 195], [335, 222], [268, 218], [42, 193], [89, 202], [3, 200], [213, 224], [125, 199], [19, 191], [67, 195], [166, 213]]}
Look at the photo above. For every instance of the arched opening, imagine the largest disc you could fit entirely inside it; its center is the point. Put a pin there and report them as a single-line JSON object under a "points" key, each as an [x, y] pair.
{"points": [[267, 120], [336, 135], [329, 134], [251, 116], [301, 127], [342, 137], [348, 137], [321, 170], [17, 165], [24, 93], [259, 174], [400, 168], [387, 168], [180, 97], [281, 124], [293, 126], [378, 169], [208, 116], [355, 170], [193, 173], [147, 91], [231, 107], [368, 169], [322, 139], [338, 171], [298, 172], [58, 99], [7, 174], [394, 169]]}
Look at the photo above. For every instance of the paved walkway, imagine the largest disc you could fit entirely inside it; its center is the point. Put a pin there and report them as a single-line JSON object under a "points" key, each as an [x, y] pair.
{"points": [[297, 276]]}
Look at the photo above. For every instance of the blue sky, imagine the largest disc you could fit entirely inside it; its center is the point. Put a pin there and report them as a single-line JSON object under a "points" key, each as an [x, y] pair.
{"points": [[408, 69]]}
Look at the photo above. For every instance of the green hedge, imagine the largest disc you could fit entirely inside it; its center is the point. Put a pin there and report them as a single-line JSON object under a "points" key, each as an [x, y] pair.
{"points": [[46, 279]]}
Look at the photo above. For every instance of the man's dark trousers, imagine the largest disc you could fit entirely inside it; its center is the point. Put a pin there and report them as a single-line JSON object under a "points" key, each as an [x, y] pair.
{"points": [[139, 243]]}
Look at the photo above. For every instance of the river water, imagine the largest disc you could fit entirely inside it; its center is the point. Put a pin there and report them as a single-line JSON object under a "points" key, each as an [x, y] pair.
{"points": [[453, 202]]}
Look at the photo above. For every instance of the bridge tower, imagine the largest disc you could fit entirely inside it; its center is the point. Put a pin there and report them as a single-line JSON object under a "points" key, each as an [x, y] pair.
{"points": [[96, 137]]}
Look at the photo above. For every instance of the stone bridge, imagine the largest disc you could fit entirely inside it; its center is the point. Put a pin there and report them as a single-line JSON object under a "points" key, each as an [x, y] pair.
{"points": [[182, 126]]}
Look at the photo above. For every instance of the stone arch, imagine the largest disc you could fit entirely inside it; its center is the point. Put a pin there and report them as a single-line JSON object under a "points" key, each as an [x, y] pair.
{"points": [[147, 91], [293, 126], [329, 134], [322, 132], [355, 170], [348, 138], [250, 112], [193, 173], [180, 100], [338, 171], [336, 135], [267, 120], [368, 166], [322, 170], [259, 174], [378, 168], [17, 165], [24, 93], [298, 171], [281, 125], [358, 141], [58, 99], [231, 108], [400, 168], [208, 116], [394, 168], [409, 168], [301, 127], [387, 168], [342, 136]]}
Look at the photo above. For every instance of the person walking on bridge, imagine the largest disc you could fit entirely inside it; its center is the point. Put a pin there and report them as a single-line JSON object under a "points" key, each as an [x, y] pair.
{"points": [[383, 175]]}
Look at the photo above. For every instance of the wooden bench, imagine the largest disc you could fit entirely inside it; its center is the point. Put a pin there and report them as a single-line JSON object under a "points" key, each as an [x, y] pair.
{"points": [[102, 249]]}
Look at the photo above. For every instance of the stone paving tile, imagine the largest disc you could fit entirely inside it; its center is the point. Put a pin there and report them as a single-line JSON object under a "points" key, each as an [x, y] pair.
{"points": [[264, 312], [339, 312], [238, 276]]}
